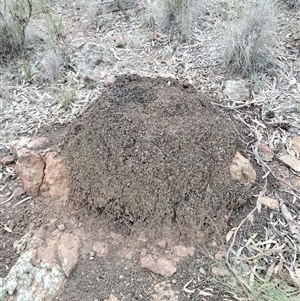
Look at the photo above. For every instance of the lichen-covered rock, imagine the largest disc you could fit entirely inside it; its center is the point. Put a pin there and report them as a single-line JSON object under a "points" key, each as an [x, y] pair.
{"points": [[26, 282]]}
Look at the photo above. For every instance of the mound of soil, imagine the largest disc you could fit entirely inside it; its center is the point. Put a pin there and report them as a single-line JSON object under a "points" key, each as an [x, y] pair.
{"points": [[153, 152]]}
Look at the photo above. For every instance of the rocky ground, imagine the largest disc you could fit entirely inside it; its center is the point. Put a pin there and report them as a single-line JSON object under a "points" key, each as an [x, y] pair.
{"points": [[55, 249]]}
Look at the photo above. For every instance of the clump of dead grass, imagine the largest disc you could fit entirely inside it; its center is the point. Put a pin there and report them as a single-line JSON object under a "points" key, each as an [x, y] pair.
{"points": [[14, 17], [182, 12], [249, 42]]}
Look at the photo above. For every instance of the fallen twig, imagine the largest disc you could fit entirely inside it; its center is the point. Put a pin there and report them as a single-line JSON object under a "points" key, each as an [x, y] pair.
{"points": [[22, 201], [188, 290], [235, 107], [7, 200], [242, 283]]}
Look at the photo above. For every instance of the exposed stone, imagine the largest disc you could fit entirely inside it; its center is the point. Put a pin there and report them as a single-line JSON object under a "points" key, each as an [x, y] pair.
{"points": [[237, 90], [33, 143], [220, 255], [46, 254], [100, 248], [220, 272], [182, 251], [119, 40], [26, 282], [110, 80], [61, 227], [296, 144], [18, 191], [8, 160], [30, 169], [290, 161], [269, 202], [129, 255], [37, 143], [265, 153], [68, 252], [242, 171], [17, 144], [112, 298], [165, 74], [162, 243], [162, 267], [143, 252], [55, 178]]}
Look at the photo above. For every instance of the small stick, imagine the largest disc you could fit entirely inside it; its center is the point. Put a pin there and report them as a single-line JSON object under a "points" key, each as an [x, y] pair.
{"points": [[244, 286], [7, 200], [22, 201], [234, 107]]}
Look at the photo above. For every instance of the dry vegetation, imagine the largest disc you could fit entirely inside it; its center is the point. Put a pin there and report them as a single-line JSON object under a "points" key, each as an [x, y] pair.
{"points": [[14, 17], [250, 40]]}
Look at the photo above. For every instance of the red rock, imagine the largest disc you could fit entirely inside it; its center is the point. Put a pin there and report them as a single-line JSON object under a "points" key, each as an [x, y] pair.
{"points": [[37, 143], [30, 169], [8, 160], [68, 252], [265, 153], [162, 267], [100, 249], [242, 171], [55, 181], [46, 254]]}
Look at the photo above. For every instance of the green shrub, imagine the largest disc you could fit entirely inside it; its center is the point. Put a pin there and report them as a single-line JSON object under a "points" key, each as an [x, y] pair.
{"points": [[249, 42], [14, 17]]}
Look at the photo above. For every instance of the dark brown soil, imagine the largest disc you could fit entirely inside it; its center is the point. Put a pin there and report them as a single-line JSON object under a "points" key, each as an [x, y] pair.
{"points": [[154, 152]]}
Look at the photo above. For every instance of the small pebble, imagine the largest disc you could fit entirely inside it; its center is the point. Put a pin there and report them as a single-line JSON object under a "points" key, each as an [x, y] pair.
{"points": [[61, 227]]}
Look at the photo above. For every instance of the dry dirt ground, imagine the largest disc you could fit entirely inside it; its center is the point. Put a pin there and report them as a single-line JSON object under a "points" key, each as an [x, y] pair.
{"points": [[89, 51]]}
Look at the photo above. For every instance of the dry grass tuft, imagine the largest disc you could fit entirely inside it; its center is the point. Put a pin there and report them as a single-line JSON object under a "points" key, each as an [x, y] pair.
{"points": [[249, 42], [181, 12], [14, 17]]}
